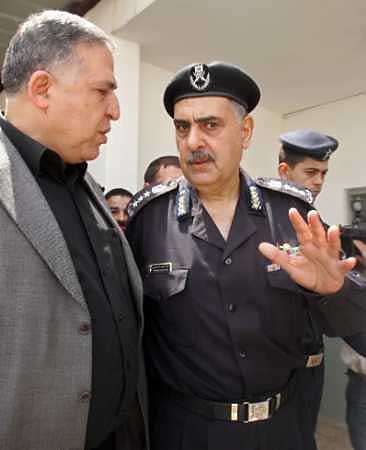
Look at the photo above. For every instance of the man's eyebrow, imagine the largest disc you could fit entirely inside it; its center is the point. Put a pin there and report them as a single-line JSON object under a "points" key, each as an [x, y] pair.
{"points": [[198, 120], [180, 121], [108, 84], [205, 119]]}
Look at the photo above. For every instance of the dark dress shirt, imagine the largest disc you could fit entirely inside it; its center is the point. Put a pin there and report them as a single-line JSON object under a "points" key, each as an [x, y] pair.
{"points": [[97, 254]]}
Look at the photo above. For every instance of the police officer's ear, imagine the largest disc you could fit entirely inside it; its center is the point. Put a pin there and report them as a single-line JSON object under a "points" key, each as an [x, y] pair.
{"points": [[247, 131], [283, 170], [38, 87]]}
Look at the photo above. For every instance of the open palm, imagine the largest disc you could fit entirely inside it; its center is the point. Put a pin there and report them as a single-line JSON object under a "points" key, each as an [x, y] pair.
{"points": [[317, 266]]}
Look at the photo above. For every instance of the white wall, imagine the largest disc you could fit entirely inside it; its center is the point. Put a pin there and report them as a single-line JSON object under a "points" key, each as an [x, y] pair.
{"points": [[118, 163], [345, 120], [156, 130], [261, 159]]}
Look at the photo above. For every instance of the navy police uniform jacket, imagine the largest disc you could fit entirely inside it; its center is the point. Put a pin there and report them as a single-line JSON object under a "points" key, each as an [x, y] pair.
{"points": [[222, 322]]}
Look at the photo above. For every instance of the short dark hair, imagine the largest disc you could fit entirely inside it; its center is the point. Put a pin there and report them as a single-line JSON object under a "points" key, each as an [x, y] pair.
{"points": [[155, 165], [290, 158], [120, 192]]}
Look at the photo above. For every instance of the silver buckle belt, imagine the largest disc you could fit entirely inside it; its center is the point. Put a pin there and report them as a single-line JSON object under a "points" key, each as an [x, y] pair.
{"points": [[244, 411]]}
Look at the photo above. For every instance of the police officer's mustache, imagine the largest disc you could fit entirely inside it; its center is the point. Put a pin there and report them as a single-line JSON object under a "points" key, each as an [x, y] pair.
{"points": [[200, 156]]}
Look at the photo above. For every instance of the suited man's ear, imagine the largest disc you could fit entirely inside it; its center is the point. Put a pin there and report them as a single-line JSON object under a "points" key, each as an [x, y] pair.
{"points": [[38, 87]]}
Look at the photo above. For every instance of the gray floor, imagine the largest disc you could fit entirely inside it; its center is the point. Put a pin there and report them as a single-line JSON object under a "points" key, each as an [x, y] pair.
{"points": [[332, 436]]}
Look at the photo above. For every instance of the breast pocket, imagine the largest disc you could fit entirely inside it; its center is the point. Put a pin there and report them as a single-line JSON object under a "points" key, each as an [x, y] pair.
{"points": [[168, 306], [162, 286]]}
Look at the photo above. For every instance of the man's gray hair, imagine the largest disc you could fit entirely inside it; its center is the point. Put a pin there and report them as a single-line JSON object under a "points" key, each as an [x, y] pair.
{"points": [[43, 41], [239, 110]]}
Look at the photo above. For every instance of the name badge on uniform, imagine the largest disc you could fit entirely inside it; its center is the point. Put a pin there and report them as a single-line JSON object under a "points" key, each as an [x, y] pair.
{"points": [[273, 267], [164, 267]]}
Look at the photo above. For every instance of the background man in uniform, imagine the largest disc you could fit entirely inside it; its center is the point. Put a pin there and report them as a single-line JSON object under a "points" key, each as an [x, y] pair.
{"points": [[118, 200], [70, 291], [224, 326], [162, 169], [303, 159]]}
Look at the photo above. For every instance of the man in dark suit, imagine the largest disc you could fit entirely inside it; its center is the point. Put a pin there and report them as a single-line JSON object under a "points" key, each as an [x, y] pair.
{"points": [[71, 375]]}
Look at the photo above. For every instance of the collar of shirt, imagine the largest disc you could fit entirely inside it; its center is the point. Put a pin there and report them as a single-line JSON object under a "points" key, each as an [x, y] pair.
{"points": [[41, 160], [196, 202]]}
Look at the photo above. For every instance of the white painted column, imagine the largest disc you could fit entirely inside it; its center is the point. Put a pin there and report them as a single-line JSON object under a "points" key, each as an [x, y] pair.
{"points": [[117, 165]]}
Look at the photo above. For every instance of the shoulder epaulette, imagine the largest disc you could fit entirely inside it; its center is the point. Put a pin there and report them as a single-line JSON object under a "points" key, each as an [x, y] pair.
{"points": [[143, 197], [276, 184]]}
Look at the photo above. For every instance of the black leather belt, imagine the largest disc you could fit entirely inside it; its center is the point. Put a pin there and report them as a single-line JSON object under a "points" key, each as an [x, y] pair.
{"points": [[242, 411]]}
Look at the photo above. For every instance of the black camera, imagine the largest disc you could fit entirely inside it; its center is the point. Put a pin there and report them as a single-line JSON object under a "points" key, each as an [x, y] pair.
{"points": [[349, 233]]}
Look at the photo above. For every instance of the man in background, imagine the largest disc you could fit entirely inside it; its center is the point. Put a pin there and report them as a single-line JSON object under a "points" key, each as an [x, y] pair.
{"points": [[118, 200], [162, 169], [304, 158]]}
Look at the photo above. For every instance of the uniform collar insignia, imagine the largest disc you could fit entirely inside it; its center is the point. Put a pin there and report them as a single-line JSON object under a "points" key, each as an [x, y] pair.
{"points": [[183, 200]]}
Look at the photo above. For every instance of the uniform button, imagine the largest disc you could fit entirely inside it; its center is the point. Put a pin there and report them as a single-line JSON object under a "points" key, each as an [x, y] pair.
{"points": [[84, 328], [243, 354], [85, 396], [231, 307], [228, 261], [121, 317]]}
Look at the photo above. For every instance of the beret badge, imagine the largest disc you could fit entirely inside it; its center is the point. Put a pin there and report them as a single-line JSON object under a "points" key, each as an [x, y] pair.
{"points": [[200, 77]]}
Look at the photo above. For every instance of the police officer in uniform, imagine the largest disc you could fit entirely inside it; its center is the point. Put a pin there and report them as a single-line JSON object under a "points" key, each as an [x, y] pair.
{"points": [[227, 280], [303, 159]]}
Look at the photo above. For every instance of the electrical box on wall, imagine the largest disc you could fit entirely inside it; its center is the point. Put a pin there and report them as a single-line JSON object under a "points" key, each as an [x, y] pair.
{"points": [[356, 206]]}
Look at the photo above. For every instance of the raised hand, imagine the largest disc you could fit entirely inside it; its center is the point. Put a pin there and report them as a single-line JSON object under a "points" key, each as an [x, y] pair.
{"points": [[317, 265]]}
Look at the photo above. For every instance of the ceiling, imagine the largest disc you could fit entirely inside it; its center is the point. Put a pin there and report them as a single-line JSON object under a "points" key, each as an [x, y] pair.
{"points": [[302, 53]]}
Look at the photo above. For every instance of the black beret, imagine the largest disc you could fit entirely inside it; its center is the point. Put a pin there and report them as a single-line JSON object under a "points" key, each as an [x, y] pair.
{"points": [[309, 143], [216, 79]]}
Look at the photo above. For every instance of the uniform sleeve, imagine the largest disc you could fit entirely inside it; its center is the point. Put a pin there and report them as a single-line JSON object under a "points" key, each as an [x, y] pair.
{"points": [[134, 236], [343, 313], [357, 342]]}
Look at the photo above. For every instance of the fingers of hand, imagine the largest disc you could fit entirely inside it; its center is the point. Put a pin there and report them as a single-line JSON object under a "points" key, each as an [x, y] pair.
{"points": [[347, 264], [300, 226], [317, 229], [274, 254], [334, 241]]}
